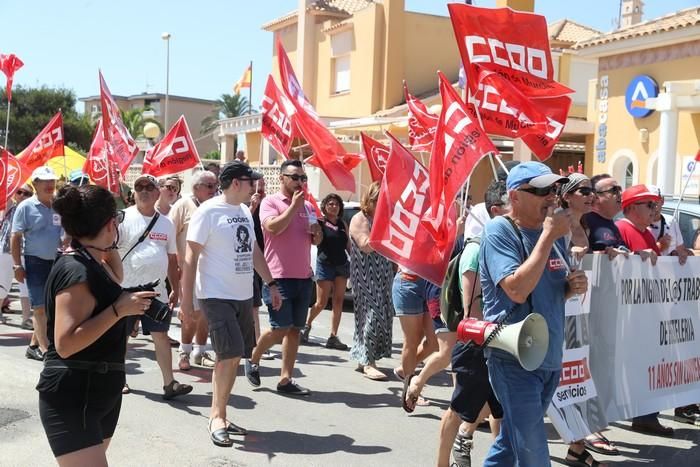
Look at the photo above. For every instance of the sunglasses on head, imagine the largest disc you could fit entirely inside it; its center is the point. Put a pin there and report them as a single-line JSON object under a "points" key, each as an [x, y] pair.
{"points": [[296, 178], [140, 187], [584, 191], [616, 190], [541, 192], [24, 193]]}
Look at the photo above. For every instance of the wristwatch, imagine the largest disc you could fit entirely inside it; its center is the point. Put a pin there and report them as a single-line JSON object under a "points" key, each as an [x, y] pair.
{"points": [[271, 283], [17, 266]]}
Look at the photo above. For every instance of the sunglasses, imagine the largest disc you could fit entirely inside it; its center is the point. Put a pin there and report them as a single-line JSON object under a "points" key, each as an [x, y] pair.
{"points": [[584, 191], [139, 188], [296, 178], [541, 192], [649, 204], [616, 190], [24, 193], [209, 186], [172, 188]]}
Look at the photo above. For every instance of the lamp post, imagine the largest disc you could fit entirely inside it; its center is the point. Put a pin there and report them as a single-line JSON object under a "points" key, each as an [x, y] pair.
{"points": [[166, 37]]}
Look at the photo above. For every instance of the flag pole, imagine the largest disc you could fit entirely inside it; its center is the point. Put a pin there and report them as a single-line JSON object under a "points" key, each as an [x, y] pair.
{"points": [[685, 187], [7, 123], [250, 90], [65, 165]]}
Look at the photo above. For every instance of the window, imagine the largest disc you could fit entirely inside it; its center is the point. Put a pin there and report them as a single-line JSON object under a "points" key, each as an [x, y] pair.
{"points": [[341, 46], [629, 175]]}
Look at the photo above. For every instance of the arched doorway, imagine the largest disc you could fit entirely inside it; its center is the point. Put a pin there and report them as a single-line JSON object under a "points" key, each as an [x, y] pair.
{"points": [[623, 168]]}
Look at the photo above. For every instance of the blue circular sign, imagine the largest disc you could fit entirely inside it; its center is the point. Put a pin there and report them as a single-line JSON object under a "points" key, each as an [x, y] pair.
{"points": [[640, 89]]}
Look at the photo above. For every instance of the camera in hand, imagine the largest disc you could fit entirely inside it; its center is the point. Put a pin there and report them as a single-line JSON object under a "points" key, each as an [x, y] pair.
{"points": [[158, 311]]}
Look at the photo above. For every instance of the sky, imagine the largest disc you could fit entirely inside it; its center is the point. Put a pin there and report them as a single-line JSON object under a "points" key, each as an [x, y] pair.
{"points": [[63, 44]]}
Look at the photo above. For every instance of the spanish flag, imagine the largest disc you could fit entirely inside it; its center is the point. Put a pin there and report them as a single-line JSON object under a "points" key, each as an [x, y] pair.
{"points": [[245, 80]]}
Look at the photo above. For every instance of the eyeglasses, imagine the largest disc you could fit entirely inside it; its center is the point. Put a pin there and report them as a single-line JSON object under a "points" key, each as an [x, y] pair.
{"points": [[24, 192], [648, 204], [541, 192], [172, 188], [139, 188], [209, 186], [296, 178], [615, 190], [584, 191], [119, 216]]}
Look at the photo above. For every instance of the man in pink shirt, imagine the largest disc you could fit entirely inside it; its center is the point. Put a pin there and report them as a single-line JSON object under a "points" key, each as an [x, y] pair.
{"points": [[289, 228]]}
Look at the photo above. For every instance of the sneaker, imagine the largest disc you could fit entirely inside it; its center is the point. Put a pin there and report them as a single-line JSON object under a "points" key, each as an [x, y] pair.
{"points": [[688, 414], [267, 355], [252, 373], [34, 353], [462, 450], [203, 359], [305, 334], [292, 389], [184, 362], [175, 389], [28, 324], [334, 343]]}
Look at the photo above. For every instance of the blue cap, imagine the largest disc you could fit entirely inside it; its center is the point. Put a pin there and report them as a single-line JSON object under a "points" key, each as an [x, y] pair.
{"points": [[533, 173]]}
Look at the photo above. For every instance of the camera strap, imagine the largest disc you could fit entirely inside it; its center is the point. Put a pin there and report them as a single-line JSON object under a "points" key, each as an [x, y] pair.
{"points": [[143, 235]]}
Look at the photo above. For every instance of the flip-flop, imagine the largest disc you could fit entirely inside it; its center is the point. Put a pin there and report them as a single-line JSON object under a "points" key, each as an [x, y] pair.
{"points": [[405, 397], [601, 445]]}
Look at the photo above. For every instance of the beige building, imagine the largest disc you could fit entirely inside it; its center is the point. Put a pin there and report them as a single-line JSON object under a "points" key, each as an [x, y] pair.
{"points": [[645, 101], [194, 110]]}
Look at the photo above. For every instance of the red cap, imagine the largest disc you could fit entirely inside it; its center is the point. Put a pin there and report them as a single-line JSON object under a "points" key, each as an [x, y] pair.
{"points": [[639, 193]]}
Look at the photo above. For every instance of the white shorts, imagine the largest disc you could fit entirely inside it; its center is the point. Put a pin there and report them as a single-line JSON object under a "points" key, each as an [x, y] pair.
{"points": [[7, 274]]}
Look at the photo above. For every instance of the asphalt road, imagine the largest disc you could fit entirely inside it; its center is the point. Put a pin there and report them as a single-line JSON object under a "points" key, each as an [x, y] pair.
{"points": [[347, 421]]}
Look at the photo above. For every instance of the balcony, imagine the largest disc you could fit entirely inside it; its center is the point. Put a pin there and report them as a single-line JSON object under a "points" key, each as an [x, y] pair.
{"points": [[239, 125]]}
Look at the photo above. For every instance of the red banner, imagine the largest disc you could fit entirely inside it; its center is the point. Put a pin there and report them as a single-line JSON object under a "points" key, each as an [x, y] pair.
{"points": [[510, 74], [121, 145], [100, 166], [421, 123], [397, 231], [330, 154], [9, 64], [459, 145], [13, 173], [175, 153], [48, 143], [277, 118], [376, 154]]}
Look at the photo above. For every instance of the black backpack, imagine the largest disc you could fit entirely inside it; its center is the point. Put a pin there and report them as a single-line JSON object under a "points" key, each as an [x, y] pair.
{"points": [[451, 303]]}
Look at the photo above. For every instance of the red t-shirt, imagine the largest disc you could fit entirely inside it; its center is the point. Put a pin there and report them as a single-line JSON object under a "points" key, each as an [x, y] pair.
{"points": [[634, 239]]}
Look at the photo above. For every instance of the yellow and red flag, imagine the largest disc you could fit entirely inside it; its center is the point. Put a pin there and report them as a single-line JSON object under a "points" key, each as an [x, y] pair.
{"points": [[245, 80]]}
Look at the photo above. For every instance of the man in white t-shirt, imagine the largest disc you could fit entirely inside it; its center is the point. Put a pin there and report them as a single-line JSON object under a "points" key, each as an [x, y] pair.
{"points": [[219, 261], [149, 255]]}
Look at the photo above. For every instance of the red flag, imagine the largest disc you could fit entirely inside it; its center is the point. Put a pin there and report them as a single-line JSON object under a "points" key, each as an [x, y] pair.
{"points": [[697, 156], [397, 232], [459, 145], [376, 154], [12, 174], [310, 198], [48, 143], [277, 118], [100, 166], [8, 65], [508, 54], [330, 154], [421, 123], [121, 145], [175, 153]]}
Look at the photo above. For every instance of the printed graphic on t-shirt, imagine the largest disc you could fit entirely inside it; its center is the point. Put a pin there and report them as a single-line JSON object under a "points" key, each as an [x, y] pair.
{"points": [[243, 244]]}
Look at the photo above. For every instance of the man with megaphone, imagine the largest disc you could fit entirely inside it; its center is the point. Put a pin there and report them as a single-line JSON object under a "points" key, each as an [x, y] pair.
{"points": [[523, 275]]}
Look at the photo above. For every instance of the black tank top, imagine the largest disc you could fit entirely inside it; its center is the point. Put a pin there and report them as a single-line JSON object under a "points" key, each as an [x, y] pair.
{"points": [[331, 250]]}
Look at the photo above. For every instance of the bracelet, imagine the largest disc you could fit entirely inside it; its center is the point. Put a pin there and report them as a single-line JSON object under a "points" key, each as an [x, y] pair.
{"points": [[271, 283], [114, 309]]}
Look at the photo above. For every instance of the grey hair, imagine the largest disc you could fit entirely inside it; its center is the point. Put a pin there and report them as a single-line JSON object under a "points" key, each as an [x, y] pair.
{"points": [[199, 175]]}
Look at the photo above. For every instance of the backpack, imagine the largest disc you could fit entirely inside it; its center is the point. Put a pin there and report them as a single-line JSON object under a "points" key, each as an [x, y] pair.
{"points": [[451, 303]]}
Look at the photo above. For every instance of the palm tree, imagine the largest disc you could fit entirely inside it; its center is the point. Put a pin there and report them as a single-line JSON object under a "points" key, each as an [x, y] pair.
{"points": [[228, 106], [134, 121]]}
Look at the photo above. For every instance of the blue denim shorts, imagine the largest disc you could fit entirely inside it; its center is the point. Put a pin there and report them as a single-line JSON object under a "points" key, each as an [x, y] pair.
{"points": [[296, 298], [328, 272], [409, 295], [37, 271]]}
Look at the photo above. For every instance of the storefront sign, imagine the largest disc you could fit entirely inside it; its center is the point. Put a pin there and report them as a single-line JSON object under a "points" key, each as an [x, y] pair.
{"points": [[601, 147], [640, 89]]}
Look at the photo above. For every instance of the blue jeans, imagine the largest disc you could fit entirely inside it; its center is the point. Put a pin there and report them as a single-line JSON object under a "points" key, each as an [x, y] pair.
{"points": [[525, 396]]}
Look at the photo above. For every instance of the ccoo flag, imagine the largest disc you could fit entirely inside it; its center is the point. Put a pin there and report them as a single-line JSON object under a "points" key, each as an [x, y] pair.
{"points": [[175, 153]]}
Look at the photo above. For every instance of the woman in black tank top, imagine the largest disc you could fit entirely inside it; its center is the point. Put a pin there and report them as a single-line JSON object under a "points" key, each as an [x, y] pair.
{"points": [[332, 268], [80, 385]]}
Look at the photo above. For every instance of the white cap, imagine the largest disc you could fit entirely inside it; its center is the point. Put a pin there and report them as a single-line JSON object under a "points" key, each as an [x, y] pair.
{"points": [[44, 173]]}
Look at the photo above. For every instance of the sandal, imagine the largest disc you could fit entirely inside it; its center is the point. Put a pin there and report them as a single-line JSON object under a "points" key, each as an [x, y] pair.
{"points": [[406, 397], [220, 437], [126, 389], [582, 459], [596, 442], [175, 389], [374, 374]]}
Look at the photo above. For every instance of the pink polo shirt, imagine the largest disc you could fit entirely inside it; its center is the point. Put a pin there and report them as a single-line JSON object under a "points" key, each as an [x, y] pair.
{"points": [[288, 254]]}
